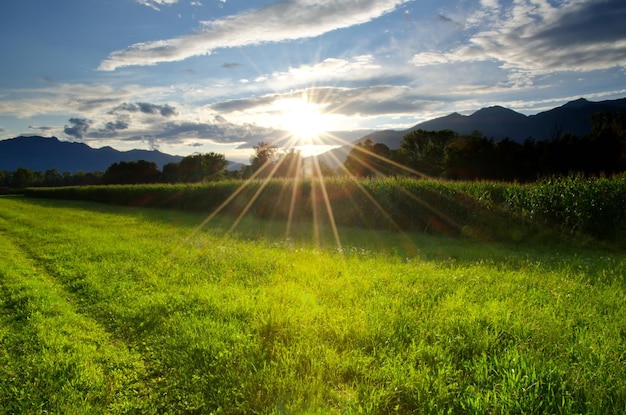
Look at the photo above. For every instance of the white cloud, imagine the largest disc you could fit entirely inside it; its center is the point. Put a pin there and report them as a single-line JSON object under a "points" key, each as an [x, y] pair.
{"points": [[534, 37], [330, 69], [490, 4], [285, 20], [154, 4], [432, 58]]}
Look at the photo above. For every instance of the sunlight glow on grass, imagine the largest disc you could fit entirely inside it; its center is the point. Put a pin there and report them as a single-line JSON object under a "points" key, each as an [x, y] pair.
{"points": [[111, 309]]}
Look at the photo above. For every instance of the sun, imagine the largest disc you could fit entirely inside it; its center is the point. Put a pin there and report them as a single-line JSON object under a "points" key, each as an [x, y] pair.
{"points": [[303, 120]]}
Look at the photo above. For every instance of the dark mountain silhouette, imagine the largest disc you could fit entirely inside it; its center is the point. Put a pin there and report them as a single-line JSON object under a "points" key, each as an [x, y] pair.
{"points": [[41, 154], [498, 123], [573, 117]]}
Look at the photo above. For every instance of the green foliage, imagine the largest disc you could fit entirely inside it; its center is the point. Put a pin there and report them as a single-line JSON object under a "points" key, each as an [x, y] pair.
{"points": [[426, 150], [265, 155], [196, 168], [121, 310], [129, 172], [22, 178], [575, 206], [475, 157], [271, 161], [368, 160]]}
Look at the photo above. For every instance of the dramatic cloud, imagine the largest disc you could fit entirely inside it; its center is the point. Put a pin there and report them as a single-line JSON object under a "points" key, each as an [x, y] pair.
{"points": [[146, 108], [111, 129], [116, 125], [285, 20], [538, 38], [79, 127], [219, 131]]}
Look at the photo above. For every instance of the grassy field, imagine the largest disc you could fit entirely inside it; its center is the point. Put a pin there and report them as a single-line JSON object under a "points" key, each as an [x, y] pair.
{"points": [[107, 309]]}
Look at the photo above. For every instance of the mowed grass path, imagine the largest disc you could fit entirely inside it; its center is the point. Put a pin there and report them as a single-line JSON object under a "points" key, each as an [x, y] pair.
{"points": [[121, 310]]}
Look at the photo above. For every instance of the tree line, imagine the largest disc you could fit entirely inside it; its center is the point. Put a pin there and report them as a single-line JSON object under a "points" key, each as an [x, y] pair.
{"points": [[449, 155], [268, 160], [191, 169]]}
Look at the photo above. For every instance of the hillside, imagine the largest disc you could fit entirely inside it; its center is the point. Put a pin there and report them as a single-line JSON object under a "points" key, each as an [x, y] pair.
{"points": [[41, 154], [498, 123]]}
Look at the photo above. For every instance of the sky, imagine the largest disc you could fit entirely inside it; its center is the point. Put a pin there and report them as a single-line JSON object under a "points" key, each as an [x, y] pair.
{"points": [[198, 76]]}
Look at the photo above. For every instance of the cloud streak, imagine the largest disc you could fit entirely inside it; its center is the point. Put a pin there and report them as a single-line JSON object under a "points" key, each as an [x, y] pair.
{"points": [[281, 21], [154, 4], [366, 101], [146, 108]]}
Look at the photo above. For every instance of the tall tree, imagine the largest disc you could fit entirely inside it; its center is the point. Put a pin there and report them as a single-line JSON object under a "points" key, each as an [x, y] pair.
{"points": [[131, 172], [52, 177], [202, 167], [196, 168], [608, 139], [469, 158], [289, 164], [22, 178], [264, 157], [368, 159], [425, 150], [171, 172], [5, 178]]}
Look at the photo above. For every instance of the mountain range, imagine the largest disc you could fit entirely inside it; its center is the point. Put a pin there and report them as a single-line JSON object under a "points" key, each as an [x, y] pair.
{"points": [[41, 154], [497, 123]]}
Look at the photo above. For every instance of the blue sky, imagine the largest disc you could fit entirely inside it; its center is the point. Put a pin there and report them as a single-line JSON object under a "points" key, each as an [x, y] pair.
{"points": [[186, 76]]}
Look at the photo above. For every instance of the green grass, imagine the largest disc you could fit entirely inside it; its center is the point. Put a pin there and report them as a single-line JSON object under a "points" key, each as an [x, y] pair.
{"points": [[109, 309]]}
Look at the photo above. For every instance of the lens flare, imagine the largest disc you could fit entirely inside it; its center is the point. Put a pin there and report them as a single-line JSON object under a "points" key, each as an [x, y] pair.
{"points": [[303, 120], [304, 123]]}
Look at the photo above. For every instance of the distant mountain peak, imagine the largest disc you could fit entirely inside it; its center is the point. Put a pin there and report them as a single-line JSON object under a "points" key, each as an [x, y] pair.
{"points": [[454, 115], [578, 103], [496, 110]]}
